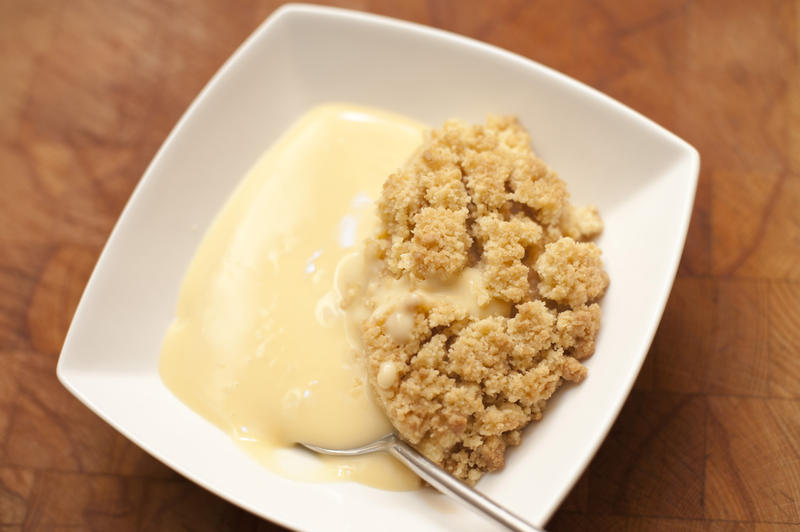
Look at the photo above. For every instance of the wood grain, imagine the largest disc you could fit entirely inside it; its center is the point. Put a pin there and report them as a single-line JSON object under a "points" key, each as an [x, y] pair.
{"points": [[708, 441]]}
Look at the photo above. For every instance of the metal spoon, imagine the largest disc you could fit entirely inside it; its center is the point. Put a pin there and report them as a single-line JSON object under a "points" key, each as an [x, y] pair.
{"points": [[436, 477]]}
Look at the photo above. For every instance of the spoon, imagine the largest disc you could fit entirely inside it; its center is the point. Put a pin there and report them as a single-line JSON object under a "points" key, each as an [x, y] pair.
{"points": [[436, 477]]}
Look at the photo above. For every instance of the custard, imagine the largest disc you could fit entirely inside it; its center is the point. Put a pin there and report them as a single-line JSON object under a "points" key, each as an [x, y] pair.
{"points": [[258, 346]]}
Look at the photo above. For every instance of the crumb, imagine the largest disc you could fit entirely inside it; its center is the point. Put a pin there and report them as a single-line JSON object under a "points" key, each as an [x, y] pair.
{"points": [[440, 244], [581, 223], [571, 272], [460, 382], [577, 330]]}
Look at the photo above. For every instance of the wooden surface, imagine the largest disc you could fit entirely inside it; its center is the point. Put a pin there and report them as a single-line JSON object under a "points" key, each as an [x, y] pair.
{"points": [[710, 438]]}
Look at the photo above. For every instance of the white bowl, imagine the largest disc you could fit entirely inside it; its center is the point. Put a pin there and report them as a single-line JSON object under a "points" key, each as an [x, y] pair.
{"points": [[642, 177]]}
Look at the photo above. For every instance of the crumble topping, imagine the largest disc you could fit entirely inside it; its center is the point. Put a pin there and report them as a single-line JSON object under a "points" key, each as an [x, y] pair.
{"points": [[475, 212]]}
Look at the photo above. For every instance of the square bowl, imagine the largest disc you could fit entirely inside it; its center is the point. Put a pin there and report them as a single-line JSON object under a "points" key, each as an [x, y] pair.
{"points": [[641, 177]]}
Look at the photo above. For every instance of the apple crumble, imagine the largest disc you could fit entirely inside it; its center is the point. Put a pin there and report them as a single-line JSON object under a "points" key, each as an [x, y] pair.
{"points": [[480, 294]]}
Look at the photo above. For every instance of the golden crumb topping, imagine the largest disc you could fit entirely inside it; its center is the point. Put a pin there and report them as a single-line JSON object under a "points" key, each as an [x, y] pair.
{"points": [[460, 380], [571, 272]]}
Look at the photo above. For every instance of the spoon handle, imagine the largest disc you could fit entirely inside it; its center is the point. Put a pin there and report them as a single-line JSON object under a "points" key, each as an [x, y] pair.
{"points": [[449, 485]]}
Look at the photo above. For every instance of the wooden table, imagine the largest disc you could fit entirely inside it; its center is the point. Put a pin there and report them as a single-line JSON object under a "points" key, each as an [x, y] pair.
{"points": [[710, 437]]}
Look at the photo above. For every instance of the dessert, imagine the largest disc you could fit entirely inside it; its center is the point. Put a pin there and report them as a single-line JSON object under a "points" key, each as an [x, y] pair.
{"points": [[477, 296], [474, 298]]}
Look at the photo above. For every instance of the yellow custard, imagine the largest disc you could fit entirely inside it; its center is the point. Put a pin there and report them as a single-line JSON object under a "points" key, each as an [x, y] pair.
{"points": [[258, 346]]}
